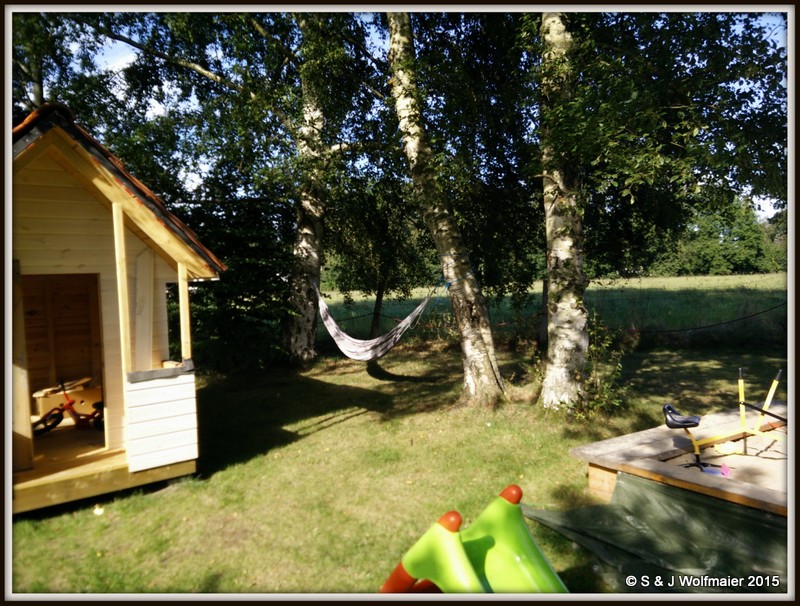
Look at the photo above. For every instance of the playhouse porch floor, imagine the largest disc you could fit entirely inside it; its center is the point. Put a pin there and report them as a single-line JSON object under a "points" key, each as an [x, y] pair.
{"points": [[71, 464], [758, 465]]}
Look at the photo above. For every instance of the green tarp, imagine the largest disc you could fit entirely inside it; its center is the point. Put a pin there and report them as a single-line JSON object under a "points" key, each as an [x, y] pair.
{"points": [[656, 538]]}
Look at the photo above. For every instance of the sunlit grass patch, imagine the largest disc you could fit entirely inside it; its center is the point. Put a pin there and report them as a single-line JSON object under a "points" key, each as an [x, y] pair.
{"points": [[319, 480]]}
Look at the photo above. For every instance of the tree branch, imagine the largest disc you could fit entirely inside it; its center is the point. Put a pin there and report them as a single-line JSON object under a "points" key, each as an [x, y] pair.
{"points": [[289, 55], [192, 66]]}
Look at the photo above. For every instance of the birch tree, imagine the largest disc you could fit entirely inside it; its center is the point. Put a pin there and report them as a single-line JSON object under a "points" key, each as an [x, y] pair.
{"points": [[567, 317], [645, 118], [300, 327], [483, 383]]}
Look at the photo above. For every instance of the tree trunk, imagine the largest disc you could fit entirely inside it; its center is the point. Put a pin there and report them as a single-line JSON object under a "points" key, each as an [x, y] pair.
{"points": [[375, 327], [543, 317], [300, 327], [567, 334], [483, 383]]}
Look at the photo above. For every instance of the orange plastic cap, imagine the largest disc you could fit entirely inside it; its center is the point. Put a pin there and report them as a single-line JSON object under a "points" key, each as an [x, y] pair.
{"points": [[512, 493], [451, 521]]}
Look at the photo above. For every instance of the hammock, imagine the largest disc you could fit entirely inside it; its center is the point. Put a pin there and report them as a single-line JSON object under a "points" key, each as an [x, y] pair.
{"points": [[371, 349]]}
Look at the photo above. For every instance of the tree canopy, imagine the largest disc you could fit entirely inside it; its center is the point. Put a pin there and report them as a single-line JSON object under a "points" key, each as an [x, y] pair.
{"points": [[272, 133]]}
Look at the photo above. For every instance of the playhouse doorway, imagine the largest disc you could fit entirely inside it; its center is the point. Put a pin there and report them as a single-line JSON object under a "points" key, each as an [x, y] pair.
{"points": [[63, 340]]}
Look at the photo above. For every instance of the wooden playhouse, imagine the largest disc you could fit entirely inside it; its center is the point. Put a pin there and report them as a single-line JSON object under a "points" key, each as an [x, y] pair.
{"points": [[93, 250]]}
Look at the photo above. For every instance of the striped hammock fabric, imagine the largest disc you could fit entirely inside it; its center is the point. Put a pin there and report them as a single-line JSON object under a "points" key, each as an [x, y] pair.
{"points": [[372, 349]]}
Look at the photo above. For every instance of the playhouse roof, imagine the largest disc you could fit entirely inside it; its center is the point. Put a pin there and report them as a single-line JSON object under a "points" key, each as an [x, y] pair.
{"points": [[157, 217]]}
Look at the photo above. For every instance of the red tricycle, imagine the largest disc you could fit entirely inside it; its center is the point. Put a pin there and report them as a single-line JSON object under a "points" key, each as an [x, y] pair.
{"points": [[52, 418]]}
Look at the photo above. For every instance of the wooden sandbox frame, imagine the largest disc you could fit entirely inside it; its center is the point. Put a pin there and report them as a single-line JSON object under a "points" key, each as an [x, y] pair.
{"points": [[648, 453]]}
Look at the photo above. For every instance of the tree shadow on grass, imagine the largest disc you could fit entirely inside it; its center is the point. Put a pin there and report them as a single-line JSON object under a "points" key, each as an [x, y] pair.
{"points": [[696, 381], [700, 380], [590, 430], [376, 371], [240, 418], [245, 416]]}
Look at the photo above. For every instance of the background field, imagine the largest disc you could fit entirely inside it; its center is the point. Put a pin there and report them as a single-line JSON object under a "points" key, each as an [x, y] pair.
{"points": [[318, 481], [684, 311]]}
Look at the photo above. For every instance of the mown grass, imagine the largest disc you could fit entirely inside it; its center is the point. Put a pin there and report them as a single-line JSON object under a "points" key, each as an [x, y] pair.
{"points": [[318, 481]]}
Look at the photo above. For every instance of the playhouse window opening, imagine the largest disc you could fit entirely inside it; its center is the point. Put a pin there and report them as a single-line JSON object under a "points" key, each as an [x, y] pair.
{"points": [[173, 322]]}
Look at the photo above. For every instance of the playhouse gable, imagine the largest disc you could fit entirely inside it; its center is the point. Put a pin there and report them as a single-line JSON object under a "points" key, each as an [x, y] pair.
{"points": [[51, 132]]}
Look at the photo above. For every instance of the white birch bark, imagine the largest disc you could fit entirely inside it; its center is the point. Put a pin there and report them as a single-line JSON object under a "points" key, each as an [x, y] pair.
{"points": [[483, 383], [300, 328], [567, 334]]}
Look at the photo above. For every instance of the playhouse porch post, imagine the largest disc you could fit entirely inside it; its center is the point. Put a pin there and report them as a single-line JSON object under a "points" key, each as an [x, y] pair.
{"points": [[120, 255], [22, 441], [183, 304]]}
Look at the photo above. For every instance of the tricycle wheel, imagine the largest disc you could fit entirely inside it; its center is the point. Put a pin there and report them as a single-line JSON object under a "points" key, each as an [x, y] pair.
{"points": [[47, 422]]}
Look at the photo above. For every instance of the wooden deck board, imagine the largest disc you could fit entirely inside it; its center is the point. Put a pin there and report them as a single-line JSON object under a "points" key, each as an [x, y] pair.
{"points": [[659, 452], [72, 464]]}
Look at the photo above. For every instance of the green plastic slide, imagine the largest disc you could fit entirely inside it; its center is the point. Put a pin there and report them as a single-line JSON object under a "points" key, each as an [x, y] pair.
{"points": [[496, 554]]}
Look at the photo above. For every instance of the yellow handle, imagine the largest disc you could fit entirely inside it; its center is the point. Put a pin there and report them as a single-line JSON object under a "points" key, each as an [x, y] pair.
{"points": [[768, 401], [742, 411]]}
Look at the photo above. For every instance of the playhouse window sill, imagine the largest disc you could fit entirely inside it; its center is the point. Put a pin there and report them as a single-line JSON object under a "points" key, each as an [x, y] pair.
{"points": [[171, 369]]}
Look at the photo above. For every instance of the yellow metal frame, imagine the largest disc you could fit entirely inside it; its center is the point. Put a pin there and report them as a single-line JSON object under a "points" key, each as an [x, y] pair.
{"points": [[756, 430], [747, 431]]}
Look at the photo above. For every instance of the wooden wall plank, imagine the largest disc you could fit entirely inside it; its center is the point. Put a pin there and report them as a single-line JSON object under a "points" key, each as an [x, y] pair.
{"points": [[144, 414], [155, 444], [162, 421], [181, 455], [53, 212], [169, 428], [143, 314], [160, 390]]}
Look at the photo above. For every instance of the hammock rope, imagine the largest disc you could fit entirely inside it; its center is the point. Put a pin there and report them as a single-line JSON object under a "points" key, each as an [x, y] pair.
{"points": [[369, 349]]}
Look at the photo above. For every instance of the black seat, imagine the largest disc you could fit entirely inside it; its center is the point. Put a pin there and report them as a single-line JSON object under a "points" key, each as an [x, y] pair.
{"points": [[675, 420]]}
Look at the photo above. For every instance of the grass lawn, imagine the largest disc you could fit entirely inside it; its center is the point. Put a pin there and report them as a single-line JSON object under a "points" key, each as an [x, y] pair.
{"points": [[318, 481]]}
